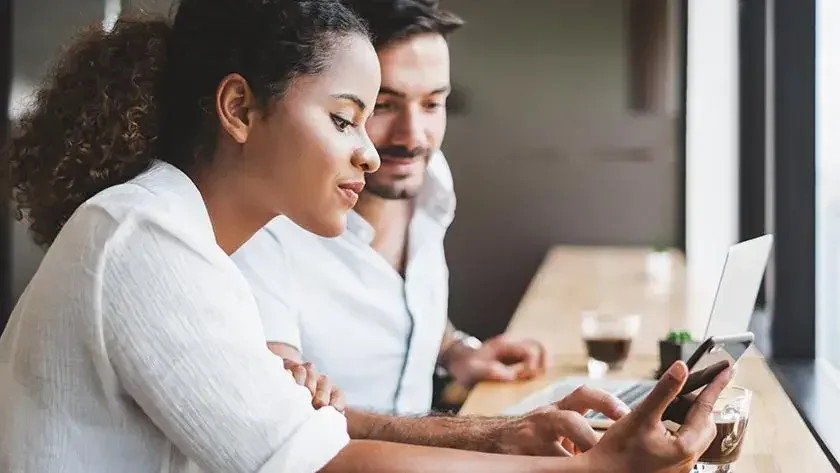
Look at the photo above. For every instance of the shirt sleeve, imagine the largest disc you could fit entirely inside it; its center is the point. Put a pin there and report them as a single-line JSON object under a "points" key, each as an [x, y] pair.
{"points": [[265, 264], [187, 346]]}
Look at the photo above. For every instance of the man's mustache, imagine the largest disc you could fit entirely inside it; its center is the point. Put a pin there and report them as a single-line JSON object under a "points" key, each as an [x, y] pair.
{"points": [[402, 152]]}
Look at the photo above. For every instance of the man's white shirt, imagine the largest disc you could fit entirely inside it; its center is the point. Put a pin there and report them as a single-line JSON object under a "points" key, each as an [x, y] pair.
{"points": [[374, 333]]}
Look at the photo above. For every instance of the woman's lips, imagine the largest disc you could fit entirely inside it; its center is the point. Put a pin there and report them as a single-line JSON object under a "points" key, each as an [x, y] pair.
{"points": [[350, 191]]}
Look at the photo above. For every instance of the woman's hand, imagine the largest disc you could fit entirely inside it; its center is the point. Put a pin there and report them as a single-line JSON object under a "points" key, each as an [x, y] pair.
{"points": [[323, 392]]}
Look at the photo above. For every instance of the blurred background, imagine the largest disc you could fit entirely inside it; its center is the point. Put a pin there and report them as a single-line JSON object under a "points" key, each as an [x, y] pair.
{"points": [[564, 130], [685, 124]]}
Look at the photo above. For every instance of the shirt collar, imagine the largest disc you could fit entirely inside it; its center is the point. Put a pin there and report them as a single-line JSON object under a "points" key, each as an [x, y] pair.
{"points": [[167, 180], [358, 226], [437, 196], [436, 199]]}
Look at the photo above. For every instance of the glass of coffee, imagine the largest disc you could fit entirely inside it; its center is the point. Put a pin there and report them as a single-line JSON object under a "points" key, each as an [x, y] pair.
{"points": [[731, 415], [608, 338]]}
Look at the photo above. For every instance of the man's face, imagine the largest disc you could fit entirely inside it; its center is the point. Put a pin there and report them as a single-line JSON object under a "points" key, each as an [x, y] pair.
{"points": [[410, 115]]}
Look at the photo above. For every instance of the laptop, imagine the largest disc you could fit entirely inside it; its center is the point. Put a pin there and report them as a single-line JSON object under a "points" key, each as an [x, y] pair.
{"points": [[733, 306]]}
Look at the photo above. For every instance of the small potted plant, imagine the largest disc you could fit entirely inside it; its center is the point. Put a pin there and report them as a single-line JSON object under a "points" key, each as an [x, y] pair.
{"points": [[678, 345]]}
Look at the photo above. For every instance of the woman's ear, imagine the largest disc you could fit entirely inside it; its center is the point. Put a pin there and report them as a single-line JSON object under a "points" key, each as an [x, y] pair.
{"points": [[235, 104]]}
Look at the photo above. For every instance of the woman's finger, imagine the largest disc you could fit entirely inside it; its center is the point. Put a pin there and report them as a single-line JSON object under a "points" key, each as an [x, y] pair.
{"points": [[312, 378], [323, 393], [299, 373], [337, 399]]}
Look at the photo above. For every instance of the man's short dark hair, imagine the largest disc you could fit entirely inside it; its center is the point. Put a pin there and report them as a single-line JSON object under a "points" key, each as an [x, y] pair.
{"points": [[393, 20]]}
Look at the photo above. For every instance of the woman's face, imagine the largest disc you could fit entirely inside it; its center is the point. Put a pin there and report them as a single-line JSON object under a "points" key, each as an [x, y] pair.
{"points": [[309, 154]]}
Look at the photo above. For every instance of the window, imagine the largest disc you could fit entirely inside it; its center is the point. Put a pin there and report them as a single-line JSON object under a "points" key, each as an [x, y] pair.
{"points": [[828, 180]]}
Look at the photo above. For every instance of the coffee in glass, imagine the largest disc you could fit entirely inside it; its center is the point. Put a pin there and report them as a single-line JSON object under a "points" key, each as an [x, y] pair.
{"points": [[731, 415], [608, 338]]}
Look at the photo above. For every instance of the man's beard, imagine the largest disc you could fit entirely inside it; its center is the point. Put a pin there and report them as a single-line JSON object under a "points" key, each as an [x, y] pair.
{"points": [[396, 189], [390, 191]]}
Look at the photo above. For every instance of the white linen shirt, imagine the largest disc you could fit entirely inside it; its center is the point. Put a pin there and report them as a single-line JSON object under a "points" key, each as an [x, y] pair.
{"points": [[138, 348], [349, 312]]}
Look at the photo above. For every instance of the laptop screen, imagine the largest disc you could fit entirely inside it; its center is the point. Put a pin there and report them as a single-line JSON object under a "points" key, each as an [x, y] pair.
{"points": [[743, 271]]}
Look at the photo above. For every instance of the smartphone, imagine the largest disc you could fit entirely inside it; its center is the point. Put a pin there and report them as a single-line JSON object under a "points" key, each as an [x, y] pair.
{"points": [[709, 360], [699, 378], [725, 348]]}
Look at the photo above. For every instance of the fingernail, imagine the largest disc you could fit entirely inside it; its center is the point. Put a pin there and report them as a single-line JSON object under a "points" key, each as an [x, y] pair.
{"points": [[731, 374], [676, 370], [623, 409]]}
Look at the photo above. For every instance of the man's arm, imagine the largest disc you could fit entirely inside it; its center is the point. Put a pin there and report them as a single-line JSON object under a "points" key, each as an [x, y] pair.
{"points": [[548, 431], [637, 442], [362, 456], [473, 433], [465, 433], [540, 432]]}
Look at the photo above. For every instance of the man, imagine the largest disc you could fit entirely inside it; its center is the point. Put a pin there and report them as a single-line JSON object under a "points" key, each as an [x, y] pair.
{"points": [[375, 314], [369, 308]]}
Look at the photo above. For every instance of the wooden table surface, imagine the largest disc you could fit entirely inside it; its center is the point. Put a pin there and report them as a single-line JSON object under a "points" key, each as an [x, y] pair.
{"points": [[575, 279]]}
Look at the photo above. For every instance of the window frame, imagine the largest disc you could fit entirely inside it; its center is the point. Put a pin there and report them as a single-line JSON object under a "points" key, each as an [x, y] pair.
{"points": [[777, 60]]}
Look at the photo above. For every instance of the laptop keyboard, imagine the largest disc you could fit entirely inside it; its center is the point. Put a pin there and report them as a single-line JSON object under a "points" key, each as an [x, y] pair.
{"points": [[631, 392], [631, 396]]}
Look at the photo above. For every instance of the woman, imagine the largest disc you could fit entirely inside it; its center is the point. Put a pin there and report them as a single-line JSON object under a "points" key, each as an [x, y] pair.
{"points": [[153, 153]]}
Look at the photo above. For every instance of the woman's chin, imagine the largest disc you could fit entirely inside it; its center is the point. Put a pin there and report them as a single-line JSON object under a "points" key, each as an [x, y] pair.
{"points": [[332, 233], [329, 229]]}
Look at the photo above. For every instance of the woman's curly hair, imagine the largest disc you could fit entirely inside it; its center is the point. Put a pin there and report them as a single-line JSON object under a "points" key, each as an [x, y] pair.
{"points": [[118, 100], [93, 125]]}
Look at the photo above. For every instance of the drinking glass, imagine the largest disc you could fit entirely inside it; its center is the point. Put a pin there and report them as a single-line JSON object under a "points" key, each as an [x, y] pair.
{"points": [[608, 338], [731, 415]]}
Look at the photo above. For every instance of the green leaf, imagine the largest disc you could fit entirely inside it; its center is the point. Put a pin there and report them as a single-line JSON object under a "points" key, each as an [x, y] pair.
{"points": [[681, 337]]}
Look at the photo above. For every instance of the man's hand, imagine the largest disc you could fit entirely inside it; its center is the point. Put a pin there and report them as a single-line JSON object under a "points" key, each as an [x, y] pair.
{"points": [[498, 359], [323, 392], [640, 441], [558, 429]]}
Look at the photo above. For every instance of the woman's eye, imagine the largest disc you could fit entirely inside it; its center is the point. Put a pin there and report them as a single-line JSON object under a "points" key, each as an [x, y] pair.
{"points": [[340, 123], [432, 106]]}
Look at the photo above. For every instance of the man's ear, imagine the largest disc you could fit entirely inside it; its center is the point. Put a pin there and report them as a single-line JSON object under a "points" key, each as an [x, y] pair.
{"points": [[235, 107]]}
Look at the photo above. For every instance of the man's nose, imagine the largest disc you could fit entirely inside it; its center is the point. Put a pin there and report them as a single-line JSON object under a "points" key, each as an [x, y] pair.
{"points": [[410, 131]]}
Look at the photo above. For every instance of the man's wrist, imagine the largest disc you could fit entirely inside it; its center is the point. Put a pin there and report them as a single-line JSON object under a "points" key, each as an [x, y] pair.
{"points": [[462, 344]]}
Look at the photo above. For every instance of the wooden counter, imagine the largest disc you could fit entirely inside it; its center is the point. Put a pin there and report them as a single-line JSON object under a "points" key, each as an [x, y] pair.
{"points": [[575, 279]]}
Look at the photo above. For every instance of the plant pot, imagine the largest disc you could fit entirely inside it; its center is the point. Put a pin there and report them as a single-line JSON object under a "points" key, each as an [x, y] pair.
{"points": [[669, 352]]}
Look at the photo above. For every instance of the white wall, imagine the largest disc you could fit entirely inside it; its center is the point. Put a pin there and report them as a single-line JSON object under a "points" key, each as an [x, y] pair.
{"points": [[549, 58], [712, 129], [548, 151], [828, 180]]}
